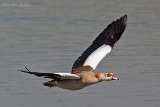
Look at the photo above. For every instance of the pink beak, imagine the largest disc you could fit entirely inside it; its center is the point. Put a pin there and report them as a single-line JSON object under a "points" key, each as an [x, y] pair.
{"points": [[115, 78]]}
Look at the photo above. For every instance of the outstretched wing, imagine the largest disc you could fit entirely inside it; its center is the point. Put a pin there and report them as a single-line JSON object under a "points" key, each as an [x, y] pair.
{"points": [[102, 45], [60, 76]]}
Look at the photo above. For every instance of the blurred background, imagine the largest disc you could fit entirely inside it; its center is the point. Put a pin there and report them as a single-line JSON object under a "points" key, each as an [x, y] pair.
{"points": [[49, 35]]}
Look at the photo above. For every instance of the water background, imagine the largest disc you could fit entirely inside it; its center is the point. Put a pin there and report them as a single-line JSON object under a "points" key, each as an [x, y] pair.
{"points": [[49, 35]]}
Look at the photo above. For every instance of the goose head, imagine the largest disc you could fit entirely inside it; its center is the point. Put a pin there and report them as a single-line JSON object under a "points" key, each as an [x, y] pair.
{"points": [[107, 77]]}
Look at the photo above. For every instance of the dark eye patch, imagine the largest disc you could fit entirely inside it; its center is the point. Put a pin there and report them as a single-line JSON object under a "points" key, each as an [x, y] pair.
{"points": [[109, 74]]}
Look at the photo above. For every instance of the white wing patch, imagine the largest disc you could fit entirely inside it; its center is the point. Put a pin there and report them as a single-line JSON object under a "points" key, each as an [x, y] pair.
{"points": [[94, 59], [68, 76]]}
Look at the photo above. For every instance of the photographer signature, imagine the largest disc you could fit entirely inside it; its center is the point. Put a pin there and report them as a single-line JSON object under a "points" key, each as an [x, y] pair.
{"points": [[16, 5]]}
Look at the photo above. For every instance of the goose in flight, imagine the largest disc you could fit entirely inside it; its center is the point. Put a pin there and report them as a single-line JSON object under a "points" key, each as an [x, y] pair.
{"points": [[82, 73]]}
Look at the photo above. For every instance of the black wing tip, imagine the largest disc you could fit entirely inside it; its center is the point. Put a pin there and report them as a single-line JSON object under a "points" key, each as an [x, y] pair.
{"points": [[25, 71], [119, 28], [44, 75], [112, 33], [122, 20], [125, 18]]}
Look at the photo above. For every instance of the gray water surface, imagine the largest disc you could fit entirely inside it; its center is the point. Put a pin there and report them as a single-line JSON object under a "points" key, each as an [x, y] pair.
{"points": [[48, 36]]}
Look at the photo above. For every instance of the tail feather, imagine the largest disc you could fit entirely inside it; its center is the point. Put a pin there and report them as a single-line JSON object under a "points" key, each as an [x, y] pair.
{"points": [[50, 84]]}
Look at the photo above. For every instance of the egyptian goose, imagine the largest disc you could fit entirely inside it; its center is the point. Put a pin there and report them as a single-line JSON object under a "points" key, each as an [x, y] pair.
{"points": [[82, 73]]}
